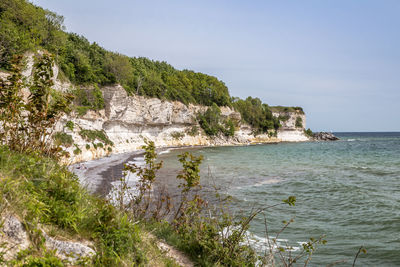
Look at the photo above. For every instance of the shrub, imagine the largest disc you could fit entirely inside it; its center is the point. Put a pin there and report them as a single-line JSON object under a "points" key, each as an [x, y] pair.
{"points": [[308, 132], [70, 125], [283, 117], [299, 122], [229, 129], [193, 131], [77, 150], [64, 139], [98, 101], [27, 126], [93, 135], [257, 114], [177, 135], [40, 191]]}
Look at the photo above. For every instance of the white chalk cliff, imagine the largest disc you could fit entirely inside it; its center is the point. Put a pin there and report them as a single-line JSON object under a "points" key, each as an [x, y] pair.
{"points": [[128, 120]]}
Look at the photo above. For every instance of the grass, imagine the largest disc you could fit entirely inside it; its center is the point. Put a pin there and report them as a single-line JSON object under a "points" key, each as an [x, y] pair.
{"points": [[177, 135], [45, 194], [82, 110], [287, 109], [93, 135], [64, 139]]}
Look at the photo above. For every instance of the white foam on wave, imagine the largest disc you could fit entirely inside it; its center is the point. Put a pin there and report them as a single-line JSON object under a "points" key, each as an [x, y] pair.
{"points": [[268, 181], [262, 244], [165, 151], [271, 180]]}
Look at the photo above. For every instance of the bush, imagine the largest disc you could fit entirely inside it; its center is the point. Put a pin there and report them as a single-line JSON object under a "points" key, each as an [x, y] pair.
{"points": [[308, 132], [93, 135], [41, 191], [70, 125], [64, 139], [177, 135], [77, 150], [212, 123], [193, 131], [283, 117], [27, 125], [299, 122], [257, 114]]}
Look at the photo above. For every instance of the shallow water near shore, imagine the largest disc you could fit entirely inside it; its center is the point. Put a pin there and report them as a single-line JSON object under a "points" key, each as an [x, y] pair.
{"points": [[347, 190]]}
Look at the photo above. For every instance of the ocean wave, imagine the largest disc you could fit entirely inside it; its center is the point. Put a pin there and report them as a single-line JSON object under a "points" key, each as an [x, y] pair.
{"points": [[271, 180], [263, 244], [168, 150]]}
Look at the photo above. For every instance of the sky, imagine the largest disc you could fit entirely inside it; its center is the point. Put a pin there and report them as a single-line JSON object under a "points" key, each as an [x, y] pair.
{"points": [[338, 59]]}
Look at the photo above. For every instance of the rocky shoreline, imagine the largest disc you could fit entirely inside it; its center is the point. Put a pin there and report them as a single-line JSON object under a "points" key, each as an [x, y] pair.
{"points": [[324, 136]]}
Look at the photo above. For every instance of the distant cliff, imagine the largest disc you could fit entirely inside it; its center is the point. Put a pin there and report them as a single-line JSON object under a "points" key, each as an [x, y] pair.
{"points": [[125, 121]]}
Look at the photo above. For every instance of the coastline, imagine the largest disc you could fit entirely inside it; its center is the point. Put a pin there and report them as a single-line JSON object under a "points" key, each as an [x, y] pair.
{"points": [[98, 174]]}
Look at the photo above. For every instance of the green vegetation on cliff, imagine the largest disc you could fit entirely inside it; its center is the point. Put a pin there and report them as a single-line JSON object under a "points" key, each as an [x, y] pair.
{"points": [[257, 114], [26, 27]]}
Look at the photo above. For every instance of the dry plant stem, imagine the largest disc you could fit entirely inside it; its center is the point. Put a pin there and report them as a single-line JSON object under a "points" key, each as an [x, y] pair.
{"points": [[358, 253]]}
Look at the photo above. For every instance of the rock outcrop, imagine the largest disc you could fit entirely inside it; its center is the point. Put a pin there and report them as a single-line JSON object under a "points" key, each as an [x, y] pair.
{"points": [[324, 136], [14, 238]]}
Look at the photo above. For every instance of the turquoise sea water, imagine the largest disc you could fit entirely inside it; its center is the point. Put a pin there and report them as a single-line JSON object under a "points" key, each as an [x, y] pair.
{"points": [[347, 190]]}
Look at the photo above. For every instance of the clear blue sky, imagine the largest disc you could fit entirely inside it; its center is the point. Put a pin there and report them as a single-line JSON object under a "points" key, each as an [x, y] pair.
{"points": [[338, 59]]}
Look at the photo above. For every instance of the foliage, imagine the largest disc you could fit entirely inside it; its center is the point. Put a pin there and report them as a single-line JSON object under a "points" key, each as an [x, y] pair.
{"points": [[86, 99], [283, 117], [177, 135], [299, 122], [308, 132], [98, 102], [191, 180], [70, 125], [212, 122], [229, 129], [93, 135], [139, 203], [281, 109], [26, 27], [63, 139], [193, 131], [28, 125], [41, 191], [257, 114], [77, 150]]}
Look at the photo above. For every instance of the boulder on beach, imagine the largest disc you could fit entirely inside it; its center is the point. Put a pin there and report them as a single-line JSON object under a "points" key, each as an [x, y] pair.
{"points": [[324, 136]]}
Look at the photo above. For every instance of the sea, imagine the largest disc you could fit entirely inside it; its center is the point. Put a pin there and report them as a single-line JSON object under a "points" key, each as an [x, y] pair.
{"points": [[347, 191]]}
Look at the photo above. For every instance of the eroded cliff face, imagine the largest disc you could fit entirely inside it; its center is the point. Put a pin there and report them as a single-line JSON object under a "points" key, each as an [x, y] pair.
{"points": [[128, 120], [289, 132]]}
